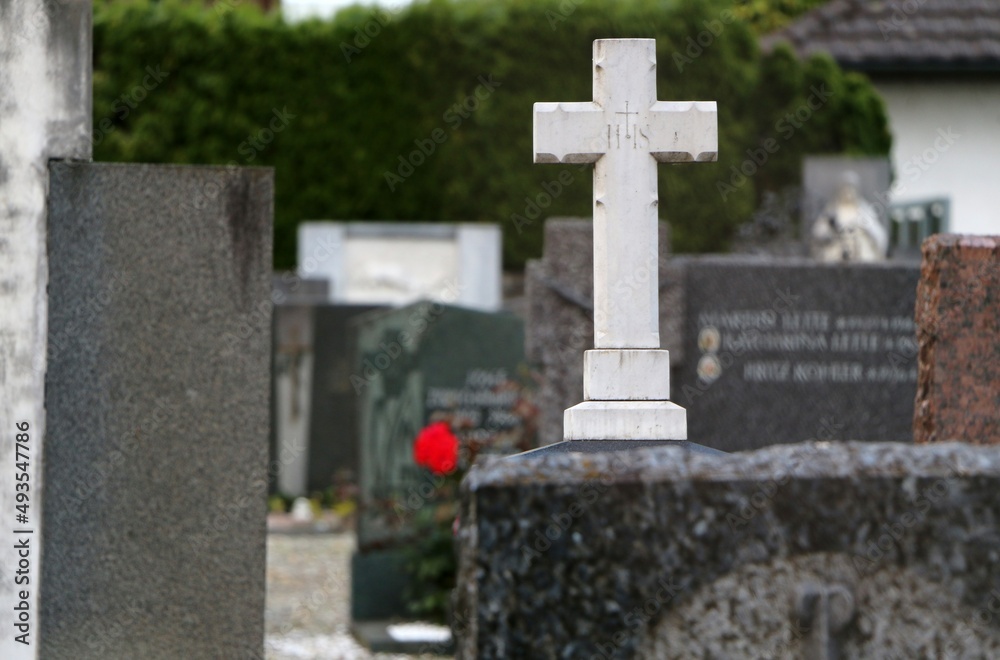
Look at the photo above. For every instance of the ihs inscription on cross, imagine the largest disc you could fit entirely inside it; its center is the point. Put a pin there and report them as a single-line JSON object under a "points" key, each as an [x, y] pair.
{"points": [[625, 132]]}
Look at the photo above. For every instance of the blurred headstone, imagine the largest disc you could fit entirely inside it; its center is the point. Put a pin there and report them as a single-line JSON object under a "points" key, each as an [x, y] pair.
{"points": [[782, 351], [333, 411], [398, 263], [413, 366], [913, 222], [798, 551], [290, 289], [314, 405]]}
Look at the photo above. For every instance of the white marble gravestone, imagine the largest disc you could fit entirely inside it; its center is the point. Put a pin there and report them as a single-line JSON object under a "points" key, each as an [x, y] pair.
{"points": [[625, 132]]}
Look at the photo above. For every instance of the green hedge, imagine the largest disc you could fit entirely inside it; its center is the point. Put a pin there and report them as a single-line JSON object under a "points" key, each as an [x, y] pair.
{"points": [[334, 109]]}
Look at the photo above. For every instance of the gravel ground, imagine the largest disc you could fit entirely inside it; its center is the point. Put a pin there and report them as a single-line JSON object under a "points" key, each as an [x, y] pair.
{"points": [[308, 599]]}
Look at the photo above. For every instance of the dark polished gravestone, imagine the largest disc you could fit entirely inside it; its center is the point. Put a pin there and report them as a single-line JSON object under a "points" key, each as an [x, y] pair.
{"points": [[792, 551], [153, 497], [782, 351], [333, 435], [413, 366]]}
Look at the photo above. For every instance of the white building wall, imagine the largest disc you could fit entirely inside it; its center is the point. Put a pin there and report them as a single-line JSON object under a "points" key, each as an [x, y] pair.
{"points": [[946, 143]]}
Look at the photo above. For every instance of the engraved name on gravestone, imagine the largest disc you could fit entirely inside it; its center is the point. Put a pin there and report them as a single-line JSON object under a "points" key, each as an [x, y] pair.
{"points": [[787, 351], [625, 132]]}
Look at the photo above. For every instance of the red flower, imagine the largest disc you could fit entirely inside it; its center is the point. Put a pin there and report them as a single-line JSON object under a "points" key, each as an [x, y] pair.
{"points": [[436, 448]]}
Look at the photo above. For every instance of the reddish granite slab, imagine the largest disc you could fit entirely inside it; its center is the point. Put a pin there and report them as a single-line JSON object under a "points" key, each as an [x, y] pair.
{"points": [[958, 331]]}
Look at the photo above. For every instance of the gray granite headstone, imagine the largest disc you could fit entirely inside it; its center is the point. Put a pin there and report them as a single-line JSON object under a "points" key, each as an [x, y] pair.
{"points": [[823, 550], [789, 350], [153, 511]]}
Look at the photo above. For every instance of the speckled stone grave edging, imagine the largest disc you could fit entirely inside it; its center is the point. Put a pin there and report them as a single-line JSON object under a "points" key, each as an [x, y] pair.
{"points": [[862, 549]]}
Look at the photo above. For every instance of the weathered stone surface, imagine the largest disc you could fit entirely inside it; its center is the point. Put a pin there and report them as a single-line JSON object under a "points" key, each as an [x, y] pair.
{"points": [[890, 550], [751, 613], [45, 113], [155, 472], [958, 329]]}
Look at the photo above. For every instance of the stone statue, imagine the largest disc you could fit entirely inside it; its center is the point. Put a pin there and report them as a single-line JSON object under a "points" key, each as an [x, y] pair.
{"points": [[849, 228]]}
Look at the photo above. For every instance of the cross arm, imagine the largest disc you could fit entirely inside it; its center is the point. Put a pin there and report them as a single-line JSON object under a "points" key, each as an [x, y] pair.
{"points": [[569, 132], [684, 132]]}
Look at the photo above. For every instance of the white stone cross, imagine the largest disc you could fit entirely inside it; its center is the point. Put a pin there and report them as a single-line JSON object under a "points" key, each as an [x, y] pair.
{"points": [[625, 131]]}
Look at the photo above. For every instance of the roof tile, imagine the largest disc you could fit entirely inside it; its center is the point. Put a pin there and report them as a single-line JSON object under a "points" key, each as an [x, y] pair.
{"points": [[910, 34]]}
